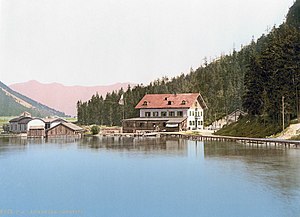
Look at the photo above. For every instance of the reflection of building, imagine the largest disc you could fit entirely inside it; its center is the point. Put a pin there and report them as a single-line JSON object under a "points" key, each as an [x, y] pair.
{"points": [[39, 127], [168, 112]]}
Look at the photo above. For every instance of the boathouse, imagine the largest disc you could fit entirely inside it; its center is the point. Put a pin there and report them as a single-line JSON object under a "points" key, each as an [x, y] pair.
{"points": [[42, 127], [36, 128], [19, 124], [64, 129], [167, 112]]}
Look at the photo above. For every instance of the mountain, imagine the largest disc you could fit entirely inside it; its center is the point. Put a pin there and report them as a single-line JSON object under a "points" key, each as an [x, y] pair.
{"points": [[60, 97], [13, 103]]}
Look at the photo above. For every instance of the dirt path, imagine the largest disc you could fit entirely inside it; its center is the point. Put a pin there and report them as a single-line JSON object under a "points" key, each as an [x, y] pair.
{"points": [[292, 130]]}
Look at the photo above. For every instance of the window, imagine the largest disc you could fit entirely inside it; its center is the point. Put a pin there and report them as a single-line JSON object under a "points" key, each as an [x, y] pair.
{"points": [[201, 113], [145, 103], [179, 113], [171, 114], [199, 123], [147, 114], [166, 98], [155, 114], [163, 114], [191, 123], [183, 102], [169, 102], [196, 104], [193, 113], [141, 124], [190, 113]]}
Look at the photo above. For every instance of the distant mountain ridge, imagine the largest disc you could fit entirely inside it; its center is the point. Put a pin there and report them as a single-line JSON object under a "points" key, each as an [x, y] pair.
{"points": [[13, 103], [61, 97]]}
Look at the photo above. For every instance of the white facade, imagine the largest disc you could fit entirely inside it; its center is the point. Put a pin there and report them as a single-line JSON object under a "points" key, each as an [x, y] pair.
{"points": [[163, 113], [195, 119], [195, 115]]}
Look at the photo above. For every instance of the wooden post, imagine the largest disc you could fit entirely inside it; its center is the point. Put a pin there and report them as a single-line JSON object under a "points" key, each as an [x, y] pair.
{"points": [[282, 113]]}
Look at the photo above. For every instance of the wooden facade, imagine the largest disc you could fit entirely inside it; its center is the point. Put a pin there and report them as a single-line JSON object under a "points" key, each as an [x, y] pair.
{"points": [[19, 125], [36, 132], [39, 128], [64, 130], [139, 125]]}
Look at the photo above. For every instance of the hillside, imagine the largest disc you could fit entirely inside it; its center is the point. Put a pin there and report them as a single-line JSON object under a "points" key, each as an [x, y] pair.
{"points": [[230, 82], [60, 97], [13, 103]]}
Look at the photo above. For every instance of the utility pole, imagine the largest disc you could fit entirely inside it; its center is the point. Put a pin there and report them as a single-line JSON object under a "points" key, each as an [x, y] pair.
{"points": [[282, 113]]}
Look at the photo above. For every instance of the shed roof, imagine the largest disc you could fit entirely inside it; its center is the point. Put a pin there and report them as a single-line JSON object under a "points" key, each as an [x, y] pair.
{"points": [[21, 120], [51, 120], [37, 128], [69, 125]]}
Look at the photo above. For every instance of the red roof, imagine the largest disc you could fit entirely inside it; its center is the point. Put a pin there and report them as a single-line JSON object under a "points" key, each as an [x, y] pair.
{"points": [[183, 100]]}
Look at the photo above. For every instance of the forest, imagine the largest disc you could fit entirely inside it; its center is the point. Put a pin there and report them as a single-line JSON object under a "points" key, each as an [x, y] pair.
{"points": [[258, 79]]}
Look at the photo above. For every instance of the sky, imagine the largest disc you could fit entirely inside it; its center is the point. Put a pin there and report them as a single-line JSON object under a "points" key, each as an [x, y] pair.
{"points": [[102, 42]]}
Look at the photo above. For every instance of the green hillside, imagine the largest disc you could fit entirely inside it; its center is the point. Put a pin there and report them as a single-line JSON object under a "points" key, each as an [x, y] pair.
{"points": [[9, 106], [253, 79]]}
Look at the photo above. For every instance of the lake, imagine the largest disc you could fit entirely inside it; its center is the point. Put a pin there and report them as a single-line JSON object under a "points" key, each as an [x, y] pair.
{"points": [[140, 177]]}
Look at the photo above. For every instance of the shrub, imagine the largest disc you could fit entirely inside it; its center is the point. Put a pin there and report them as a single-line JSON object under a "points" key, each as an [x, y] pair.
{"points": [[95, 129]]}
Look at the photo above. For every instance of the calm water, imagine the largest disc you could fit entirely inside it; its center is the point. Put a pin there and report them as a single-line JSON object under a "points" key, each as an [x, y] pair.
{"points": [[133, 177]]}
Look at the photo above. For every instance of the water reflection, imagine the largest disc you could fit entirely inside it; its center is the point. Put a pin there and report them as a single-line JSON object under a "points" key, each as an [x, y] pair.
{"points": [[275, 168], [146, 146], [182, 175]]}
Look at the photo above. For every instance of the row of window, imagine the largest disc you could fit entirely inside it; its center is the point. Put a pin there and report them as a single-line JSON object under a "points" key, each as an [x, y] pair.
{"points": [[196, 113], [164, 114], [192, 123]]}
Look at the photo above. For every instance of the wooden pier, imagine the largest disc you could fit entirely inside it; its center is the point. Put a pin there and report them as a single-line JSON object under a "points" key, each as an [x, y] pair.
{"points": [[245, 140]]}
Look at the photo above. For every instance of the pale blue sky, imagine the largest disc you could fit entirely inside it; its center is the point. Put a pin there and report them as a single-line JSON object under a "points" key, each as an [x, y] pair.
{"points": [[99, 42]]}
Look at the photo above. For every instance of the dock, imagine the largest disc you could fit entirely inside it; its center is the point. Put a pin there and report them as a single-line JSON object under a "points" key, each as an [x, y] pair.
{"points": [[245, 140]]}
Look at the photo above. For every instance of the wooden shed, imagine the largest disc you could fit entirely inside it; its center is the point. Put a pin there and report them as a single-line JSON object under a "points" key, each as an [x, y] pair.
{"points": [[64, 129], [36, 132]]}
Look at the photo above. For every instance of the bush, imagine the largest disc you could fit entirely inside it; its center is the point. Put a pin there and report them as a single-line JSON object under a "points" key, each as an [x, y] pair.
{"points": [[95, 130]]}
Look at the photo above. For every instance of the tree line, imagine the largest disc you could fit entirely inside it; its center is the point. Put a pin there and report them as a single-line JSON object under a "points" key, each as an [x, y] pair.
{"points": [[253, 79]]}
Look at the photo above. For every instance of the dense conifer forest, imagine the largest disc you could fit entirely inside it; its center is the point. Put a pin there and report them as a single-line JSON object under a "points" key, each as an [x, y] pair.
{"points": [[257, 79]]}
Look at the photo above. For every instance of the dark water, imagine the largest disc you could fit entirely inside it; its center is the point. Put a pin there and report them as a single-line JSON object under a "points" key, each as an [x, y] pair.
{"points": [[146, 177]]}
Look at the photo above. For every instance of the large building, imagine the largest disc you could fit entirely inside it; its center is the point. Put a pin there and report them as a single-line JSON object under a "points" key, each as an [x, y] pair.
{"points": [[43, 127], [168, 112]]}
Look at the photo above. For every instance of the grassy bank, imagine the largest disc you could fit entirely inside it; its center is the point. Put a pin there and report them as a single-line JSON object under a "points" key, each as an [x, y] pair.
{"points": [[251, 127]]}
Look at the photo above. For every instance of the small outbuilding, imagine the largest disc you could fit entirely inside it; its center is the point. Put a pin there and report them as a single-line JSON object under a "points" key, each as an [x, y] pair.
{"points": [[19, 124], [36, 132], [64, 129]]}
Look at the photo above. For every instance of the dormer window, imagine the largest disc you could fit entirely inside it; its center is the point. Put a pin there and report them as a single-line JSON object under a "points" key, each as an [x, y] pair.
{"points": [[145, 103], [169, 102], [166, 98], [183, 102]]}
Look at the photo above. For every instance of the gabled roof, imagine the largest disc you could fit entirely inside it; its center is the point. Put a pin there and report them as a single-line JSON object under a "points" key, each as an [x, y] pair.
{"points": [[51, 120], [182, 100], [69, 125], [21, 120]]}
